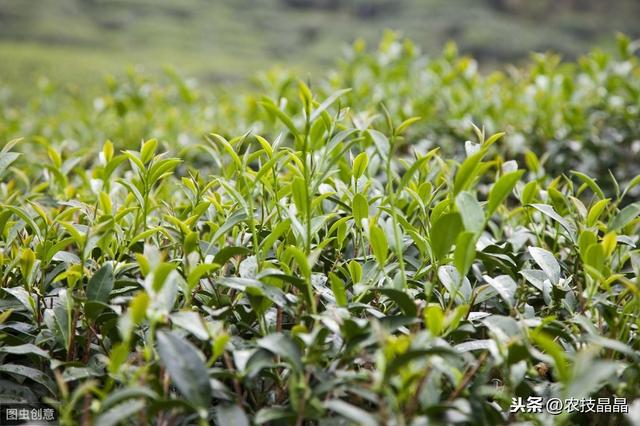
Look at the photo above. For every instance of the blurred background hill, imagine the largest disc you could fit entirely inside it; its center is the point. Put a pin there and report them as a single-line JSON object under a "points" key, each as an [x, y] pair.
{"points": [[75, 42]]}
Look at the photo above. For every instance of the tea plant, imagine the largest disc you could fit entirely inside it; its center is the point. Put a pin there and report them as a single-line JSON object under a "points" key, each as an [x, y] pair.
{"points": [[332, 274], [574, 114], [335, 271]]}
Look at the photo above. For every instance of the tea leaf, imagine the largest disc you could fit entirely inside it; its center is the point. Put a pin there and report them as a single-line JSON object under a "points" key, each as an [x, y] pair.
{"points": [[101, 283], [379, 244], [624, 217], [547, 263], [444, 233], [185, 366], [501, 189]]}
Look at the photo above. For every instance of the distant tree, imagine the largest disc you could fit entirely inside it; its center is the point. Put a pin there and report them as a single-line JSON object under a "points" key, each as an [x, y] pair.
{"points": [[525, 7], [364, 9], [313, 4]]}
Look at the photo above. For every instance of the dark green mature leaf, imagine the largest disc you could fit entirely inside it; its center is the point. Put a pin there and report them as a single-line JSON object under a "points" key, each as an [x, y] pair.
{"points": [[11, 392], [231, 414], [186, 368], [505, 286], [119, 413], [550, 212], [547, 262], [591, 378], [256, 287], [26, 349], [351, 412], [625, 216], [30, 373], [281, 344], [21, 295], [457, 285], [128, 393], [380, 141], [401, 299], [101, 283], [228, 252], [270, 414], [233, 220]]}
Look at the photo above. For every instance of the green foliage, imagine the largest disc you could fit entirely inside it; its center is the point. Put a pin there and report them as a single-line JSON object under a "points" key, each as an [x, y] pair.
{"points": [[335, 268]]}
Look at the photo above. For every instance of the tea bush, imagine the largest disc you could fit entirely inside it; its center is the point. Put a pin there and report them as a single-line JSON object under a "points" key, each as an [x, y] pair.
{"points": [[335, 265], [574, 115]]}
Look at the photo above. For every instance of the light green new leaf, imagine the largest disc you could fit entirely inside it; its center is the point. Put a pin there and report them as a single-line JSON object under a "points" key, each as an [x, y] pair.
{"points": [[6, 159], [286, 120], [148, 150], [591, 183], [24, 216], [501, 190], [200, 271], [160, 275], [360, 209], [596, 210], [553, 349], [465, 252], [327, 103], [300, 195], [338, 289], [379, 244], [434, 317], [595, 257], [360, 164], [468, 171], [406, 124], [444, 233], [301, 260]]}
